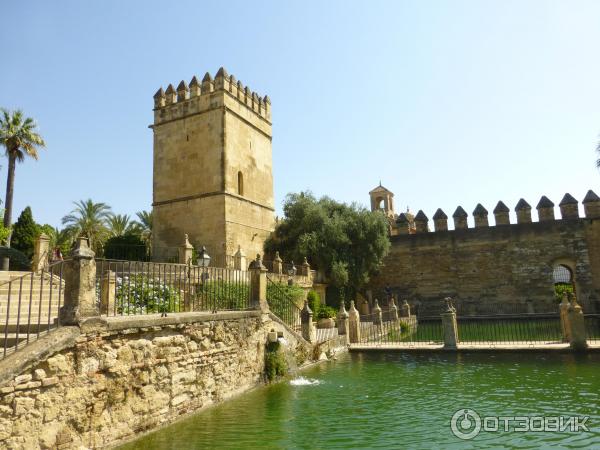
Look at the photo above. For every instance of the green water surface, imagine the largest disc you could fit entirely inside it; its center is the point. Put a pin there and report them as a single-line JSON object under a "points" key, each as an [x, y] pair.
{"points": [[400, 400]]}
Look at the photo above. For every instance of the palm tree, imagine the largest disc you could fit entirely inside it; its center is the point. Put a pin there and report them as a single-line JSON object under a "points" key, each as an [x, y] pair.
{"points": [[119, 224], [144, 226], [19, 136], [88, 219], [60, 239]]}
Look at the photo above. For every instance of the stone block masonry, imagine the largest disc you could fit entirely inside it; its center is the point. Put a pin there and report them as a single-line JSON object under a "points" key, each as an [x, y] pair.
{"points": [[506, 264], [212, 166], [115, 378]]}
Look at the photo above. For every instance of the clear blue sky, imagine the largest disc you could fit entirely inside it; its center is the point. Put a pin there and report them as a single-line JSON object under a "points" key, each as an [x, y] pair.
{"points": [[446, 102]]}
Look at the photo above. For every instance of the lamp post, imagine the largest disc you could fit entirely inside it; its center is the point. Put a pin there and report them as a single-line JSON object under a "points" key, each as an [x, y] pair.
{"points": [[203, 258], [203, 262], [291, 273]]}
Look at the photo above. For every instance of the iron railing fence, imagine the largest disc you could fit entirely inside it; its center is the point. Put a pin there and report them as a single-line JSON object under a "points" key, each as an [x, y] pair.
{"points": [[137, 287], [30, 306], [472, 309], [286, 268], [283, 305], [592, 328], [404, 331], [528, 329]]}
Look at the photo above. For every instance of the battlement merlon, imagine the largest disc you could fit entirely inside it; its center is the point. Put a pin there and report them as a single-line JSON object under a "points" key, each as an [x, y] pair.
{"points": [[222, 91], [569, 209]]}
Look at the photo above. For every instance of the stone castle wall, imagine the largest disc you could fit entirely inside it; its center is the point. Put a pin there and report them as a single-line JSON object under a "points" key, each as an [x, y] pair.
{"points": [[130, 375], [507, 264]]}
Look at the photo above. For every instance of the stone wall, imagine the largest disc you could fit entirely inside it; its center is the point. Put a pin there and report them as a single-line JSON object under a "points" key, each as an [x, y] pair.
{"points": [[119, 377], [506, 264]]}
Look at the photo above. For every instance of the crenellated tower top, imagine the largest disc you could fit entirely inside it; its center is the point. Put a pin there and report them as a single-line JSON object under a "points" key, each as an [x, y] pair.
{"points": [[175, 103]]}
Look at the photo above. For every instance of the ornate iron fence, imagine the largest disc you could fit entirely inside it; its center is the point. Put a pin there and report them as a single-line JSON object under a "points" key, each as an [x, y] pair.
{"points": [[30, 305], [405, 331], [592, 328], [526, 329], [137, 287]]}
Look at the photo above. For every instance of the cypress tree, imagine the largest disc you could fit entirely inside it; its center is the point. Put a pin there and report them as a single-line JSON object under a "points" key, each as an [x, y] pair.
{"points": [[25, 231]]}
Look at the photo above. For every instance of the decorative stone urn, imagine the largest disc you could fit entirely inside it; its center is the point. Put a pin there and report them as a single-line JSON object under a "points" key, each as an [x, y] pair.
{"points": [[326, 323]]}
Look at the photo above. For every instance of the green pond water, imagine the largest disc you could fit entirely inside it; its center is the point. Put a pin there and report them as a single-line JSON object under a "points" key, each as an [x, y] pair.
{"points": [[401, 400]]}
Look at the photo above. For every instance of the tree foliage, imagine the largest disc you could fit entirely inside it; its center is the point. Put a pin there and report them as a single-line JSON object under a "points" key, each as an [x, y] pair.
{"points": [[89, 219], [62, 239], [144, 226], [347, 242], [129, 247], [19, 136], [119, 225], [25, 232]]}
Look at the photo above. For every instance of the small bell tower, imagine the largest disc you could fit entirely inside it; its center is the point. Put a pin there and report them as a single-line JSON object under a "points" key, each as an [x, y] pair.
{"points": [[382, 199]]}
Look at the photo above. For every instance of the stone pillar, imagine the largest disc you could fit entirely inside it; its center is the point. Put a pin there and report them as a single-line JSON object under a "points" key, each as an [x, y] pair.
{"points": [[239, 259], [405, 309], [80, 285], [107, 299], [258, 285], [392, 311], [277, 264], [353, 324], [564, 318], [576, 325], [377, 314], [342, 319], [305, 270], [365, 308], [308, 327], [186, 251], [40, 253], [449, 326]]}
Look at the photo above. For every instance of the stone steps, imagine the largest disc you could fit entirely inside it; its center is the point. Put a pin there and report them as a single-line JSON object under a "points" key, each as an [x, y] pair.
{"points": [[23, 327], [35, 293]]}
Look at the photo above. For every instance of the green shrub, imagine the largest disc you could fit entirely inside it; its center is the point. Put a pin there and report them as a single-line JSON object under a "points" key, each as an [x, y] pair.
{"points": [[128, 247], [398, 332], [280, 292], [325, 312], [140, 294], [560, 289], [18, 261], [222, 295], [314, 301], [275, 364]]}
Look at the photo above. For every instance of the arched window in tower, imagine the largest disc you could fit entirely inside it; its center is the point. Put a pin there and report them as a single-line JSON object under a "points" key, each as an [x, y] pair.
{"points": [[240, 183]]}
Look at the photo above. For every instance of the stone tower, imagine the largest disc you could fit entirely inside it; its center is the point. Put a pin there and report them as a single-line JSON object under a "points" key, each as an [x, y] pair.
{"points": [[212, 167]]}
